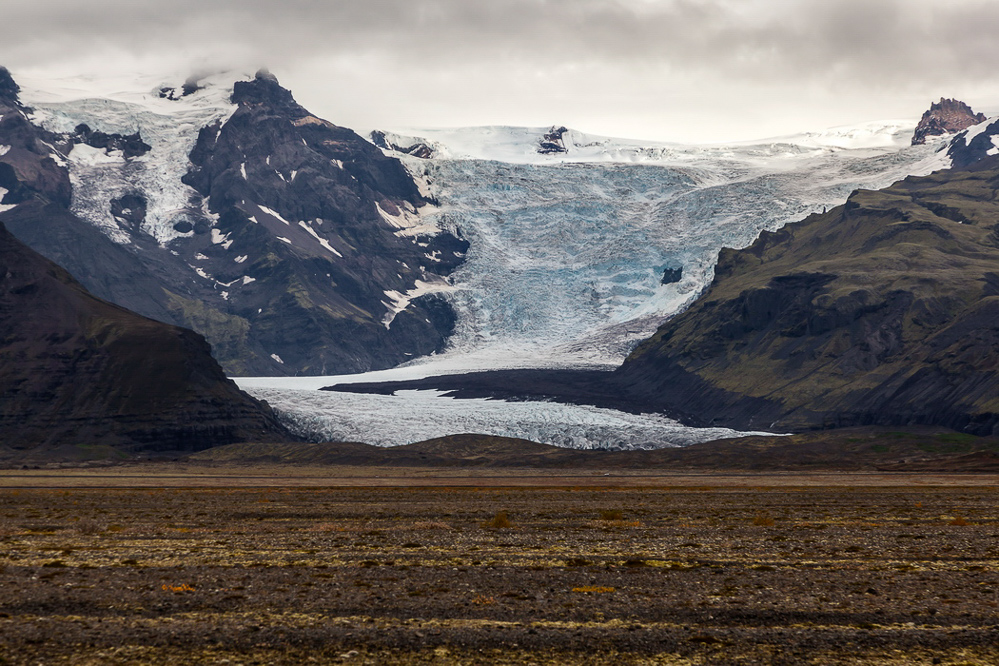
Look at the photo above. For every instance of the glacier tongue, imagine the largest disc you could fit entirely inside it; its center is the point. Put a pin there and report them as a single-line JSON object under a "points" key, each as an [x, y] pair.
{"points": [[413, 416]]}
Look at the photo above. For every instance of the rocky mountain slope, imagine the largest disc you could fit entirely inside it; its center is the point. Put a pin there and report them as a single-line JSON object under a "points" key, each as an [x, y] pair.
{"points": [[77, 372], [295, 246], [945, 117], [880, 311]]}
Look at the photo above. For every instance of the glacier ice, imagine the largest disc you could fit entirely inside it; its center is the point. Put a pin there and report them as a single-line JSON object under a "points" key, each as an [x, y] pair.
{"points": [[413, 416]]}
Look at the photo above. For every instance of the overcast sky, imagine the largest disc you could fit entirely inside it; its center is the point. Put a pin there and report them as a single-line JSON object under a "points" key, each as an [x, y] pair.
{"points": [[681, 70]]}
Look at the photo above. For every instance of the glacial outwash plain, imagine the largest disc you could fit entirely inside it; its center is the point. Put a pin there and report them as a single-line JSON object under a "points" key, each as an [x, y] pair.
{"points": [[273, 391]]}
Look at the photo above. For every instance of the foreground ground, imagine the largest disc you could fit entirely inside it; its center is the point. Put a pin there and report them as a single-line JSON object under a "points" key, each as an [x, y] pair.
{"points": [[746, 570]]}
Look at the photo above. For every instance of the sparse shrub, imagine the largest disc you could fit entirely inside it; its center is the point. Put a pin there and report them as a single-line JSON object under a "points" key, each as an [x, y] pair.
{"points": [[763, 518], [483, 600], [88, 526], [499, 521], [611, 514], [959, 521]]}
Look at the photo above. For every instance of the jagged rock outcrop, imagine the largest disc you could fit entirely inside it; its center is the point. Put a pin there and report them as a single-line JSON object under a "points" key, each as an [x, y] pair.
{"points": [[78, 372], [882, 311], [553, 142], [945, 117], [417, 149]]}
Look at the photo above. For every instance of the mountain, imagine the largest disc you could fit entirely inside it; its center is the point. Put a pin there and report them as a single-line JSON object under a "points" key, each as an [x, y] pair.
{"points": [[945, 117], [77, 373], [881, 311], [295, 246]]}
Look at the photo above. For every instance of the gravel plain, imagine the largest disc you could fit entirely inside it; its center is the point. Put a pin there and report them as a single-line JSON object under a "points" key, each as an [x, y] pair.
{"points": [[710, 574]]}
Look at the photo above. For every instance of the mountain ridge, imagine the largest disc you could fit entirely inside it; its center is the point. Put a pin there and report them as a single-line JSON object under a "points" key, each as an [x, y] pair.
{"points": [[317, 263]]}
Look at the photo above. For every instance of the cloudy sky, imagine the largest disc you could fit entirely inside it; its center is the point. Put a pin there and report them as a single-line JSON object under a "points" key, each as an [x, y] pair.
{"points": [[680, 70]]}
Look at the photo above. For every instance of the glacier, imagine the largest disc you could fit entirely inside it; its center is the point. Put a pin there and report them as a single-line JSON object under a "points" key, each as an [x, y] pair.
{"points": [[567, 250], [413, 416], [566, 264]]}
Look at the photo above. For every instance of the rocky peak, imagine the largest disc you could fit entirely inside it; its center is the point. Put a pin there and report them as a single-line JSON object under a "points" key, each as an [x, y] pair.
{"points": [[264, 89], [945, 117], [9, 90]]}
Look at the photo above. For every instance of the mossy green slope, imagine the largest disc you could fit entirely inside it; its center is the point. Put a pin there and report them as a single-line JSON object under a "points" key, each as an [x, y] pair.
{"points": [[882, 311]]}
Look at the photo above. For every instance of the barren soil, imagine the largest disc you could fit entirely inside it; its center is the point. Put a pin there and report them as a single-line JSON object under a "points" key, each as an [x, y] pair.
{"points": [[714, 574]]}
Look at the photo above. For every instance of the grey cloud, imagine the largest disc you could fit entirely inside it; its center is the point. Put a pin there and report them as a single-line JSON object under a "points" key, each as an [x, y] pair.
{"points": [[920, 48], [809, 38]]}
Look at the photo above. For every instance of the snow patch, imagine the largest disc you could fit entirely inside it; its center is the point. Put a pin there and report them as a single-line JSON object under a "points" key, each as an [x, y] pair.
{"points": [[975, 130], [219, 239], [83, 155], [282, 238], [247, 280], [409, 223], [400, 301], [273, 214], [322, 241], [3, 206], [240, 259], [277, 358]]}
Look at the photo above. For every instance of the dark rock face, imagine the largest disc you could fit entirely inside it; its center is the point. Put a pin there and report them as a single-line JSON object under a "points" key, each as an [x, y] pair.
{"points": [[9, 90], [27, 169], [945, 117], [130, 145], [321, 217], [880, 312], [77, 371], [672, 275]]}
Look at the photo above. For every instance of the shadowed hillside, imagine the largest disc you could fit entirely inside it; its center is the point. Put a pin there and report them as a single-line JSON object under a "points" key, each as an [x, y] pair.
{"points": [[76, 371]]}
